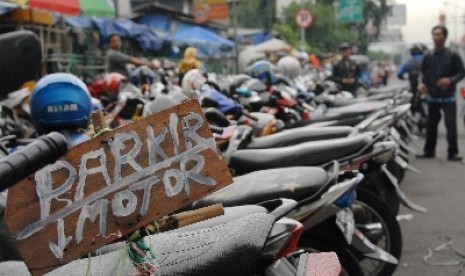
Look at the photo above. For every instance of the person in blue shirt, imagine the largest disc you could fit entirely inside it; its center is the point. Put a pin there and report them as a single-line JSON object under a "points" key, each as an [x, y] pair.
{"points": [[412, 67]]}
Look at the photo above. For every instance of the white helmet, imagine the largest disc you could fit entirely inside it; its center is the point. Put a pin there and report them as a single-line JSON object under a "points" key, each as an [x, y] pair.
{"points": [[302, 57], [192, 81], [289, 66], [160, 103]]}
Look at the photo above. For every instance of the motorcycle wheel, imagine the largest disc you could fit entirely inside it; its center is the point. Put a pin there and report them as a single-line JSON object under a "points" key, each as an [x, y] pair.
{"points": [[377, 183], [385, 232]]}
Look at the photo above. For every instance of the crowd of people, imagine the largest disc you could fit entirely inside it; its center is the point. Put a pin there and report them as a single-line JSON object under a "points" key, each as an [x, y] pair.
{"points": [[431, 74]]}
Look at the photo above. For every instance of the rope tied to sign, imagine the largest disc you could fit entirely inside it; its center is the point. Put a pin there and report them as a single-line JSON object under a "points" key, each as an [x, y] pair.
{"points": [[141, 254], [447, 246], [102, 131], [142, 258]]}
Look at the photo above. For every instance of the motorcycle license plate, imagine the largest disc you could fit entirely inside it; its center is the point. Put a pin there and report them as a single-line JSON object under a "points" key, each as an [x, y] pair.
{"points": [[345, 222]]}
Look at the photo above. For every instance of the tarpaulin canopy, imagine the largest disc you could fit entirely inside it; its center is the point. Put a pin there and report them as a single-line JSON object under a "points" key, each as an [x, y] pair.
{"points": [[6, 7], [79, 21], [259, 51], [208, 43], [147, 39], [101, 8], [250, 36], [158, 21]]}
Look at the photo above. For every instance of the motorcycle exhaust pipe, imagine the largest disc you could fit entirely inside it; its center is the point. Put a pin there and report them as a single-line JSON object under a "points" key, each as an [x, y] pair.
{"points": [[369, 250], [406, 166], [407, 131], [404, 145], [403, 154], [402, 196], [397, 137]]}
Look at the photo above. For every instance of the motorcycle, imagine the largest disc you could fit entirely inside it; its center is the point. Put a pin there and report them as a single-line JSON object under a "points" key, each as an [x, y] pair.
{"points": [[324, 200]]}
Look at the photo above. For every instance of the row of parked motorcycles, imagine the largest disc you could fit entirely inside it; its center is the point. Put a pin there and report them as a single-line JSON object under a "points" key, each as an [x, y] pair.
{"points": [[315, 170]]}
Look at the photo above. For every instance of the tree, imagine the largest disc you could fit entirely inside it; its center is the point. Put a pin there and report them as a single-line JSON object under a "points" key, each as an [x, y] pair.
{"points": [[256, 14], [325, 34], [376, 12]]}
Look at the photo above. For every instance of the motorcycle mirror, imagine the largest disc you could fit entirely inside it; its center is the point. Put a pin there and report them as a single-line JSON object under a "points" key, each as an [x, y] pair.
{"points": [[215, 117], [319, 88], [208, 102], [20, 60]]}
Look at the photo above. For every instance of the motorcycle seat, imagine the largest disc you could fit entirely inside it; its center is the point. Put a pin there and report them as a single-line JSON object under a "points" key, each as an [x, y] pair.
{"points": [[297, 136], [314, 153], [352, 110], [295, 183], [207, 251]]}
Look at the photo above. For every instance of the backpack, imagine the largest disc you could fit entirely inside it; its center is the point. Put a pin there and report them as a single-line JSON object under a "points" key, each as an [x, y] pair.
{"points": [[414, 67]]}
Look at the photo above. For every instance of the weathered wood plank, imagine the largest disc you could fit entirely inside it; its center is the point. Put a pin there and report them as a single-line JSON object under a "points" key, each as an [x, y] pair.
{"points": [[105, 188]]}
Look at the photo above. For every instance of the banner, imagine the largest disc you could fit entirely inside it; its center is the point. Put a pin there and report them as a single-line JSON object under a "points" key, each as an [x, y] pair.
{"points": [[210, 10]]}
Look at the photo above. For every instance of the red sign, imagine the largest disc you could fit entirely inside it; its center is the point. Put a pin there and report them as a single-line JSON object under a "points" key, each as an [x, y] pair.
{"points": [[304, 18], [218, 12], [212, 10]]}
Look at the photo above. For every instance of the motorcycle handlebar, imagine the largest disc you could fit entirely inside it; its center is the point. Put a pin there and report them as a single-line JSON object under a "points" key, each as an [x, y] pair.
{"points": [[17, 166]]}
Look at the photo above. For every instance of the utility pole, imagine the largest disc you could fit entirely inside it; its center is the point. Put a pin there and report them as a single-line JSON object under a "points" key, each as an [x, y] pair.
{"points": [[302, 30], [236, 54], [116, 8]]}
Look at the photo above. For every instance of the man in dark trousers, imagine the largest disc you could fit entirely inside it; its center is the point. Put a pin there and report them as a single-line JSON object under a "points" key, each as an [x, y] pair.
{"points": [[346, 71], [441, 69]]}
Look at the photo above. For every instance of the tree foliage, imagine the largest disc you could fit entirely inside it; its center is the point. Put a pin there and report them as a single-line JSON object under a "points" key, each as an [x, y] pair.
{"points": [[256, 14], [325, 34]]}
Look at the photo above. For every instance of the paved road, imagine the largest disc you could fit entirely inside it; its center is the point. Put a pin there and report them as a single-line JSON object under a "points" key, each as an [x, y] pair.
{"points": [[441, 189]]}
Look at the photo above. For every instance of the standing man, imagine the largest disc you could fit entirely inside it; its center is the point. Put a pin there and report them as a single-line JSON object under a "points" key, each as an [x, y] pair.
{"points": [[115, 60], [442, 69], [346, 71]]}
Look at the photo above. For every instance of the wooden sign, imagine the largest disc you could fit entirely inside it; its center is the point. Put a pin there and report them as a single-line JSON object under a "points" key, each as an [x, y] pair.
{"points": [[105, 188]]}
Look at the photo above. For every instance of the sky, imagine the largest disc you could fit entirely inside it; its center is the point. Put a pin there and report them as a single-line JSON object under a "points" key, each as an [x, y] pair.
{"points": [[422, 15]]}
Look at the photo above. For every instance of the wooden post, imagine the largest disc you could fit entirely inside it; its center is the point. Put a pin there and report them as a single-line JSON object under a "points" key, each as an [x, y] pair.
{"points": [[177, 221], [99, 122]]}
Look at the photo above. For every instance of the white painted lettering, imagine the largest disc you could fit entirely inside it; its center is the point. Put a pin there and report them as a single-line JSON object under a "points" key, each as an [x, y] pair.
{"points": [[84, 171], [195, 172], [124, 203], [98, 208], [58, 249], [190, 130], [155, 149], [44, 186], [174, 132], [118, 144], [145, 185]]}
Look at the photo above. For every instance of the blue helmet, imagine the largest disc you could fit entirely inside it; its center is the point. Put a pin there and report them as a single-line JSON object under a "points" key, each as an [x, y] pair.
{"points": [[142, 75], [264, 71], [60, 101]]}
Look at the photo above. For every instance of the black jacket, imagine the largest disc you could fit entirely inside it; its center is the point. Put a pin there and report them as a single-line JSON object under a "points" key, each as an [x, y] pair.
{"points": [[342, 70], [440, 64]]}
